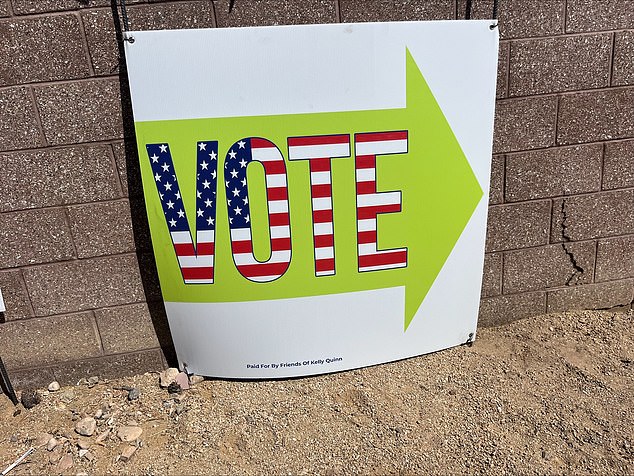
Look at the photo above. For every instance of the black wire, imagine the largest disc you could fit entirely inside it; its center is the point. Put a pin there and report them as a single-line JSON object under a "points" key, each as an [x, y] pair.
{"points": [[6, 383], [467, 13], [124, 16], [495, 9], [231, 2]]}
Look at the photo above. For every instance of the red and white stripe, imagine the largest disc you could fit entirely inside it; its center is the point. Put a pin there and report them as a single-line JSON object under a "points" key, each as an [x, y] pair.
{"points": [[270, 157], [319, 150], [196, 263], [370, 202], [254, 270]]}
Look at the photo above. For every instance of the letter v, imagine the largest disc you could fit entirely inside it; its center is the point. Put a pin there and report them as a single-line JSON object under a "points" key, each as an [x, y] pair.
{"points": [[196, 263]]}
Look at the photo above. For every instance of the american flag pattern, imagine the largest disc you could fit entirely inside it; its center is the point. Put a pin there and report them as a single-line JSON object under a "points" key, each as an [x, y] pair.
{"points": [[370, 202], [240, 155], [195, 261], [319, 150]]}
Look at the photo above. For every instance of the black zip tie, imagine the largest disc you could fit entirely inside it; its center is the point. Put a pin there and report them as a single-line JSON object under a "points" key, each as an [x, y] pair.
{"points": [[124, 16], [6, 383], [126, 23], [494, 15], [231, 2], [467, 13]]}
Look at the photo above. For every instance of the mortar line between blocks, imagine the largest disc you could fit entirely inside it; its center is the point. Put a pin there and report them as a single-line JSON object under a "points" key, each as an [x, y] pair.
{"points": [[596, 258], [555, 197], [502, 258], [97, 331], [26, 290], [84, 41], [602, 169], [97, 358], [115, 169], [64, 205], [62, 82], [557, 109], [70, 230], [38, 119], [611, 65], [53, 147]]}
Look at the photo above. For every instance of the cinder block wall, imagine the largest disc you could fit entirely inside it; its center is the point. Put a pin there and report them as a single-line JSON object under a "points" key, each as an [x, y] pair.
{"points": [[76, 268]]}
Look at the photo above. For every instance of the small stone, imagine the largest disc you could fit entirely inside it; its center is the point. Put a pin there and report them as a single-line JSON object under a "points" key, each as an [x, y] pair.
{"points": [[196, 379], [183, 380], [89, 456], [92, 381], [53, 386], [83, 444], [99, 414], [129, 433], [102, 436], [86, 426], [42, 440], [127, 453], [82, 453], [179, 408], [13, 439], [66, 396], [167, 376], [52, 443], [173, 388], [30, 398], [134, 393], [65, 463]]}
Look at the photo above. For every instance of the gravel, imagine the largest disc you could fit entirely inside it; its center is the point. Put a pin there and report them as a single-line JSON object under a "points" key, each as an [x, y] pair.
{"points": [[546, 395]]}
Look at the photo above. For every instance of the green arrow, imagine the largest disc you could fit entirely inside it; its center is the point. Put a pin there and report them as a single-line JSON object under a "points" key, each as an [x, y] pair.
{"points": [[439, 193]]}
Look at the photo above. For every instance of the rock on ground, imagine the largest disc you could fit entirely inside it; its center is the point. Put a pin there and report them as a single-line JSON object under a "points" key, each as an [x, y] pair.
{"points": [[168, 376], [129, 433], [86, 426], [127, 452]]}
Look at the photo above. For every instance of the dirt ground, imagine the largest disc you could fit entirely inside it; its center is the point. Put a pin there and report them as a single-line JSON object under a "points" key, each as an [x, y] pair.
{"points": [[547, 395]]}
